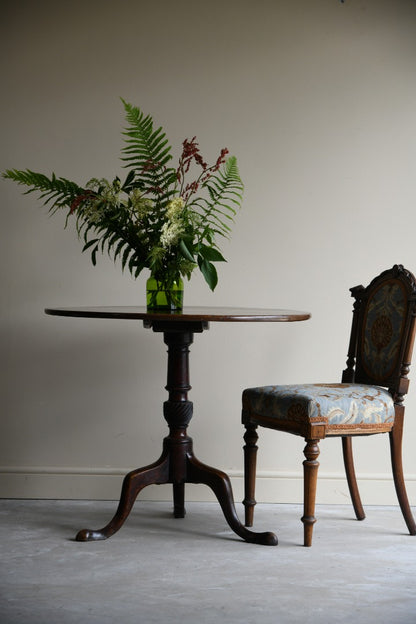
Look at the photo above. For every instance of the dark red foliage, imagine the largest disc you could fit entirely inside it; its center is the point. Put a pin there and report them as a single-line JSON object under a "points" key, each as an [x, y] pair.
{"points": [[79, 199], [190, 152]]}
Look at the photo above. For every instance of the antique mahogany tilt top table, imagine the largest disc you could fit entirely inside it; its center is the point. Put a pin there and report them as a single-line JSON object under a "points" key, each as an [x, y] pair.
{"points": [[177, 464]]}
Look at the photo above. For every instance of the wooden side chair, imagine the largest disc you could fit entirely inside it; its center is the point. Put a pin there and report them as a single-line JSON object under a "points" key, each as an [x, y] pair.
{"points": [[368, 401]]}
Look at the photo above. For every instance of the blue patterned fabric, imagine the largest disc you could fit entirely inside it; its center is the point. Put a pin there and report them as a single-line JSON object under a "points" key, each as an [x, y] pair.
{"points": [[337, 404], [383, 328]]}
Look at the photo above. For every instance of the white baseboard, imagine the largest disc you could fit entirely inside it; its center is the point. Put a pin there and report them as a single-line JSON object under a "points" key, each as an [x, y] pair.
{"points": [[272, 487]]}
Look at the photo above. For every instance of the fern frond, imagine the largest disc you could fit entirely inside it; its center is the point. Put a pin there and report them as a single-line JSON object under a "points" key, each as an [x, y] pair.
{"points": [[57, 192], [148, 152], [225, 190]]}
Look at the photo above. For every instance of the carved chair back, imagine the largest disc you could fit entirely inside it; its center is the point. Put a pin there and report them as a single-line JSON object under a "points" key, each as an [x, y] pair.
{"points": [[383, 332]]}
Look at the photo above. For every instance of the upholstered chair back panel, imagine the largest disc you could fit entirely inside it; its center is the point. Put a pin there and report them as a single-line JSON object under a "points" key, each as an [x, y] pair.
{"points": [[384, 317]]}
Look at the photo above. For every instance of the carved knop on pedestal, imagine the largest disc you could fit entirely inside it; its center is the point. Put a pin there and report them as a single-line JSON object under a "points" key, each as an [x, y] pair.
{"points": [[178, 414]]}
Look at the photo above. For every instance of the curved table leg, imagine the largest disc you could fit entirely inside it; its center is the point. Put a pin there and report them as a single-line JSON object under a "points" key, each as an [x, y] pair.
{"points": [[220, 484], [133, 483], [179, 500]]}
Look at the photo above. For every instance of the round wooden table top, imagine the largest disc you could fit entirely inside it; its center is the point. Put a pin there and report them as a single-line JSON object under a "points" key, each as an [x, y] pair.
{"points": [[207, 313]]}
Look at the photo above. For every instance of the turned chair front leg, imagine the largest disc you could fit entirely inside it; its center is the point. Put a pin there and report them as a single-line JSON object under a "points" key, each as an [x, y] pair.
{"points": [[310, 478], [250, 459]]}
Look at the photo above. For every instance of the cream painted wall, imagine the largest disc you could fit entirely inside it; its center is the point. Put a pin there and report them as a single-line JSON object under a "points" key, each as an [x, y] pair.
{"points": [[317, 100]]}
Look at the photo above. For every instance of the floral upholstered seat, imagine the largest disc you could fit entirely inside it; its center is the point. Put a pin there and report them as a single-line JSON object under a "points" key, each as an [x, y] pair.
{"points": [[336, 404], [369, 399]]}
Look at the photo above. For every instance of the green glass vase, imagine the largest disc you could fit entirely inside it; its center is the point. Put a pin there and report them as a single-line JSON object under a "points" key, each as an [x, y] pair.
{"points": [[164, 296]]}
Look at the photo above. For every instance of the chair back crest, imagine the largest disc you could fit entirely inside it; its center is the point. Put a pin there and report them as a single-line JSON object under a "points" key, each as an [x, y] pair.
{"points": [[383, 331]]}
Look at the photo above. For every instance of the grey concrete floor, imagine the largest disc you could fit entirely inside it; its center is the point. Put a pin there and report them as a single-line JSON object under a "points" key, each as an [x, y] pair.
{"points": [[158, 569]]}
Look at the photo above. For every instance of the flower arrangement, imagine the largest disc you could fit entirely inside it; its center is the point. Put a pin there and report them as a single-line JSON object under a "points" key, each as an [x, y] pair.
{"points": [[155, 219]]}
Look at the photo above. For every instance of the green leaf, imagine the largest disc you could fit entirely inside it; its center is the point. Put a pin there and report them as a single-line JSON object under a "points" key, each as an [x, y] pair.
{"points": [[90, 244], [185, 251], [94, 255], [212, 254], [129, 180], [209, 272], [118, 249], [125, 256]]}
